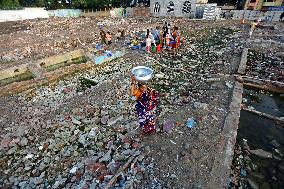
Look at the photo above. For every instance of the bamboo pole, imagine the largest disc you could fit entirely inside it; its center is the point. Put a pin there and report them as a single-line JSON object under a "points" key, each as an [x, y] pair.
{"points": [[264, 115], [262, 80], [265, 87], [121, 169]]}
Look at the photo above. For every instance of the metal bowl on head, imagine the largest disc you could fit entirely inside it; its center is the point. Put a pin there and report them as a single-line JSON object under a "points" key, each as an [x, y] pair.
{"points": [[142, 74]]}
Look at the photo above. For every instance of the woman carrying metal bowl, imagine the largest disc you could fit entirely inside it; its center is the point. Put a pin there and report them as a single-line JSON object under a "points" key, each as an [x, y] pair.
{"points": [[146, 103]]}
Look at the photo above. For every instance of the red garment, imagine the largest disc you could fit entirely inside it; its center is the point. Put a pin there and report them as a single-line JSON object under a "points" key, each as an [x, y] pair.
{"points": [[159, 48], [178, 41]]}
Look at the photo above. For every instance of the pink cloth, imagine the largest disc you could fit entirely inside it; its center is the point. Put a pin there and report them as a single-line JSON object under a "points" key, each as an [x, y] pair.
{"points": [[148, 42]]}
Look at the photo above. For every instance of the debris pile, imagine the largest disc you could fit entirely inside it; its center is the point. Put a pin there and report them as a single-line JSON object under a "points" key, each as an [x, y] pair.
{"points": [[265, 67]]}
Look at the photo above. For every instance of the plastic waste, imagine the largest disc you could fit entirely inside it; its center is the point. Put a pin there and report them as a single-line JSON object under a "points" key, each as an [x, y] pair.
{"points": [[99, 59], [99, 47], [168, 126], [108, 53], [191, 123], [153, 49], [243, 173]]}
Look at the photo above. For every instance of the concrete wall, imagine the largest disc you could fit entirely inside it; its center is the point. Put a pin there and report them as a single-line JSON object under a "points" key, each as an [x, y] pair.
{"points": [[141, 12], [210, 11], [26, 13], [273, 16], [13, 71], [117, 12], [199, 11], [261, 4], [96, 14], [178, 8], [202, 1], [33, 13], [65, 13], [129, 11]]}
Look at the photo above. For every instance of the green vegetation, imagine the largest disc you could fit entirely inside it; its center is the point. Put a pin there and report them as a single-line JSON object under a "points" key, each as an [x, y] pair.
{"points": [[17, 78], [57, 4], [9, 4]]}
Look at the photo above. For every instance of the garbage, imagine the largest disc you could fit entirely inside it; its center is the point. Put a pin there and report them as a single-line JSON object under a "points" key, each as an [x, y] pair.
{"points": [[264, 66], [243, 173], [93, 132], [172, 142], [168, 126], [29, 156], [229, 85], [99, 47], [73, 170], [191, 123], [81, 149]]}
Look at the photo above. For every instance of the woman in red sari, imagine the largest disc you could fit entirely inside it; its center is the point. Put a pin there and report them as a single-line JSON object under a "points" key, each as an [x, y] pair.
{"points": [[146, 103]]}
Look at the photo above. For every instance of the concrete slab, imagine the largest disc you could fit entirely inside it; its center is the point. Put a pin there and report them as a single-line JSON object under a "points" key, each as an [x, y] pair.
{"points": [[243, 63], [222, 163]]}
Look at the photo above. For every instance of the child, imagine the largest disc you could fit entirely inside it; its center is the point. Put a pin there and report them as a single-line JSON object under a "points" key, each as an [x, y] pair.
{"points": [[168, 39], [135, 41], [109, 38], [103, 37], [175, 35], [253, 25], [148, 44]]}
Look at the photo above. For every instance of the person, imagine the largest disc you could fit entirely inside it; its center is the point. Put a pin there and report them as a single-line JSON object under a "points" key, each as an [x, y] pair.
{"points": [[167, 39], [153, 42], [120, 34], [253, 25], [258, 21], [145, 106], [169, 28], [109, 38], [148, 43], [165, 27], [243, 23], [161, 38], [282, 17], [135, 41], [175, 35], [165, 32], [103, 36], [156, 34], [147, 33], [178, 41]]}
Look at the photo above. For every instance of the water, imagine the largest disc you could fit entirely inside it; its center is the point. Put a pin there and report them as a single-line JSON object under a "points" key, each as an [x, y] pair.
{"points": [[266, 102], [265, 134]]}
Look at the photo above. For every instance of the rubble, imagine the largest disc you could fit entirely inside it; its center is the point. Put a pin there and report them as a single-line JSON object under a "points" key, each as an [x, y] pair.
{"points": [[265, 67], [81, 132]]}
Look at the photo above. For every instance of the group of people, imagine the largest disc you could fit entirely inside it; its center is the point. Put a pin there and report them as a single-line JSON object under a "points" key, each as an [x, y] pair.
{"points": [[158, 38], [106, 37], [154, 40], [147, 98]]}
